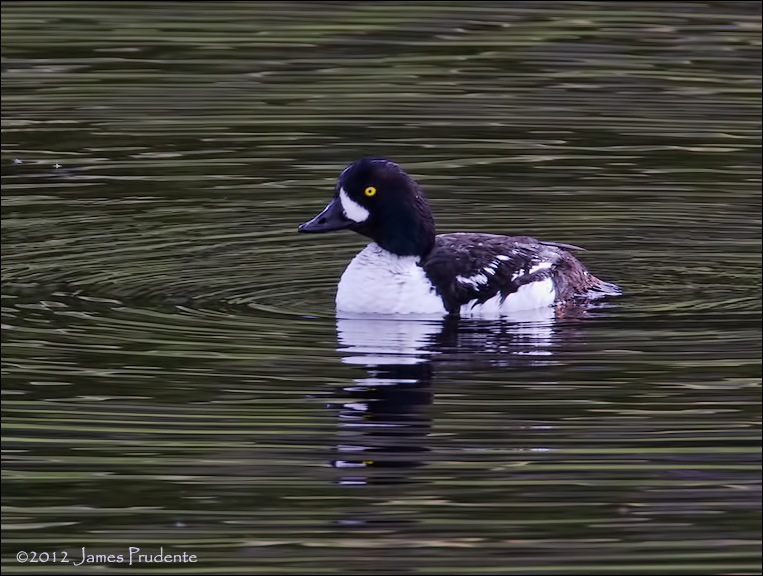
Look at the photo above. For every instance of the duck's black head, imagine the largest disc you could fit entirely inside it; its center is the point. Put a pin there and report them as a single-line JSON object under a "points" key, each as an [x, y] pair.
{"points": [[378, 199]]}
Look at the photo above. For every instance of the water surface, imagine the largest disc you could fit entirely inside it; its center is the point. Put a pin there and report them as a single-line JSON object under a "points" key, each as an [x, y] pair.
{"points": [[174, 374]]}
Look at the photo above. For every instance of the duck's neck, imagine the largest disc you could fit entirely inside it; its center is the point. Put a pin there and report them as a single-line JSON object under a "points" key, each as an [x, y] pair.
{"points": [[408, 233], [414, 243]]}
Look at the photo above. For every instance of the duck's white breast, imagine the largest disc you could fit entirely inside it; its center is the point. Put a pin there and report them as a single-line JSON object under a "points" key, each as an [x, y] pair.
{"points": [[379, 282]]}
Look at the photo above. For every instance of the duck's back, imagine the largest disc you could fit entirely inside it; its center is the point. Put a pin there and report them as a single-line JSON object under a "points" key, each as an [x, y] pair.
{"points": [[492, 275]]}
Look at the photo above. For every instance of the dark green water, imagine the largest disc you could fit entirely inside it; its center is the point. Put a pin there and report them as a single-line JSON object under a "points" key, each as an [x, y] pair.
{"points": [[173, 374]]}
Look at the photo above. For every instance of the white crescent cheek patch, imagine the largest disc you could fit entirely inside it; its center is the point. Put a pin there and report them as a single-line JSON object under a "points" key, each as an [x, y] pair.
{"points": [[352, 209]]}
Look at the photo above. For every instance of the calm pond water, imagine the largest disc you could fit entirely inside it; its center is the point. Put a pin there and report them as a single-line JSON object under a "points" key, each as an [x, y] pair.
{"points": [[173, 372]]}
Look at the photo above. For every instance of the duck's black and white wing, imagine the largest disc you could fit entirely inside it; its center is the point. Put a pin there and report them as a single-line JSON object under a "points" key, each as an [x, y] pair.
{"points": [[485, 274]]}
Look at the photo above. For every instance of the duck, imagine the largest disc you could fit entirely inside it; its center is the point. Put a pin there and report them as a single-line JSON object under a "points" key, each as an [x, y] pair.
{"points": [[408, 268]]}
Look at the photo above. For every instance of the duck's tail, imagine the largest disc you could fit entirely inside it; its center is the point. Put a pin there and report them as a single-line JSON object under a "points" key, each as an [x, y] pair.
{"points": [[574, 282], [598, 288]]}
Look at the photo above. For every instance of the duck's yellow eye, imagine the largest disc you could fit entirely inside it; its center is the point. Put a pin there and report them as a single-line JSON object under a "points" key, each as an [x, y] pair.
{"points": [[370, 191]]}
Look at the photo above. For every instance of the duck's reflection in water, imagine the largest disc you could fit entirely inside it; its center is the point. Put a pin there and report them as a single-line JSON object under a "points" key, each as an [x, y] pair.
{"points": [[385, 417]]}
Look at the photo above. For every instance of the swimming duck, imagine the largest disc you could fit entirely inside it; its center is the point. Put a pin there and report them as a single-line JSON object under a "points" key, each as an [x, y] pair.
{"points": [[408, 269]]}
